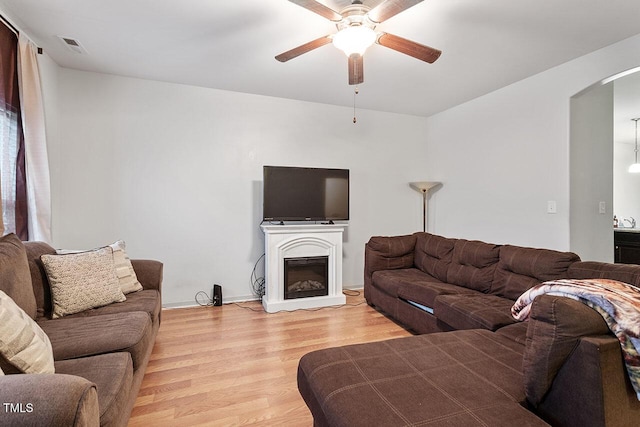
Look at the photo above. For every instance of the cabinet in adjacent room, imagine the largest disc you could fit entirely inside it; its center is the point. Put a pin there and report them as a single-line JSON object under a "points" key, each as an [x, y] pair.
{"points": [[627, 246]]}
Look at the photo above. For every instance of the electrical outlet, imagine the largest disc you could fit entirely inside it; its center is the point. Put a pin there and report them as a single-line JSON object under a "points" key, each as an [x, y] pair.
{"points": [[602, 207]]}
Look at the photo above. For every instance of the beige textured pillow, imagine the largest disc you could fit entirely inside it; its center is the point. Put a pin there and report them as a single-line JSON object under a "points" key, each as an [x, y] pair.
{"points": [[22, 343], [124, 270], [82, 281]]}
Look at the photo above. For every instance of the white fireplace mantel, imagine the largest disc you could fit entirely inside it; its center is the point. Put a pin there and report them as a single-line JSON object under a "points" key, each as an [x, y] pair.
{"points": [[298, 241]]}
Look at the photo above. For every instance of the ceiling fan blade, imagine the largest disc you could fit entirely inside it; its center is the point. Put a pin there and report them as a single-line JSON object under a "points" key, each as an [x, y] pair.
{"points": [[390, 8], [319, 8], [417, 50], [356, 69], [297, 51]]}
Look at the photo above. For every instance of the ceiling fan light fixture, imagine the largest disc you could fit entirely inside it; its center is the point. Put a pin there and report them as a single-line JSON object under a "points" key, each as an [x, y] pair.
{"points": [[354, 39]]}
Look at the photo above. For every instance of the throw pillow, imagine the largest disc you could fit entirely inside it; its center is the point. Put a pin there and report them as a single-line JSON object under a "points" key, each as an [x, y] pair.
{"points": [[82, 281], [124, 270], [23, 344]]}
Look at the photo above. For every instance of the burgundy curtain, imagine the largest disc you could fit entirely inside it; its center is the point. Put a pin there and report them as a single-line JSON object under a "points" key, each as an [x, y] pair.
{"points": [[10, 98]]}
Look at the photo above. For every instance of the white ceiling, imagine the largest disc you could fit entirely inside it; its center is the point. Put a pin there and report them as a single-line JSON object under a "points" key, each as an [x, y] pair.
{"points": [[231, 45]]}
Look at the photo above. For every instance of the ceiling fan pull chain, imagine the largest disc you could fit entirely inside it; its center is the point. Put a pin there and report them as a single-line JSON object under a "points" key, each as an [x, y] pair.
{"points": [[355, 92]]}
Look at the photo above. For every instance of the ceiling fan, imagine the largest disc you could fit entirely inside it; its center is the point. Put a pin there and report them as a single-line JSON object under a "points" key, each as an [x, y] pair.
{"points": [[356, 25]]}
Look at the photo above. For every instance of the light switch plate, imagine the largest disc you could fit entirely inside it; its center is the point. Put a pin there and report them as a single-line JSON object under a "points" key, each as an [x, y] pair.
{"points": [[551, 207]]}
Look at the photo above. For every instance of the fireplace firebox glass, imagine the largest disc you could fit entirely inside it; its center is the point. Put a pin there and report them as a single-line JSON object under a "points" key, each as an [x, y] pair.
{"points": [[306, 277]]}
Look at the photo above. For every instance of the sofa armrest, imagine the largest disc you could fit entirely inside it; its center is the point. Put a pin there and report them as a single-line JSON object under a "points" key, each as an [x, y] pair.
{"points": [[387, 253], [149, 273], [48, 399], [592, 388]]}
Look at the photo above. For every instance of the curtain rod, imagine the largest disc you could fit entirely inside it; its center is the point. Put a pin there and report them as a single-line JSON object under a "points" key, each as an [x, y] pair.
{"points": [[9, 25], [6, 22]]}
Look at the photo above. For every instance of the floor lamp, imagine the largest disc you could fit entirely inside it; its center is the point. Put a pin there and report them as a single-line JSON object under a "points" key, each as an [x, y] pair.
{"points": [[424, 187]]}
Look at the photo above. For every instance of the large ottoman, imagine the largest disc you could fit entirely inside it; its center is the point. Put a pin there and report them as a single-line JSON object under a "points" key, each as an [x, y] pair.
{"points": [[460, 378]]}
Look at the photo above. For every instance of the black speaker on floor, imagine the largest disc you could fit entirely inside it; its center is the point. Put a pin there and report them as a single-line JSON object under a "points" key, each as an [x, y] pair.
{"points": [[217, 295]]}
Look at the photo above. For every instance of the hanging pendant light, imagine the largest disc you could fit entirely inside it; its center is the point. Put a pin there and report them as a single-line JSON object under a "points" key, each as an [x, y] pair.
{"points": [[635, 168]]}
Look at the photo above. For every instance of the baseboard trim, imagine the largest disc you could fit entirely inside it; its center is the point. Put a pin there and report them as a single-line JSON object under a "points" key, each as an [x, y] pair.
{"points": [[230, 300]]}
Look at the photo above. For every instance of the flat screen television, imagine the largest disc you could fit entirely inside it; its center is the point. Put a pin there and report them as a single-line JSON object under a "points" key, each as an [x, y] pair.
{"points": [[305, 194]]}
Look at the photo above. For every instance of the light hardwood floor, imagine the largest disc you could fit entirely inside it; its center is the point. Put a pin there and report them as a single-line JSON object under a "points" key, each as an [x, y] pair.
{"points": [[228, 365]]}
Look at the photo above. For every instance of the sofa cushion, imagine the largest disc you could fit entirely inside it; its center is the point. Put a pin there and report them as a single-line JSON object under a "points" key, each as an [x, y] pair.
{"points": [[425, 291], [393, 246], [113, 375], [147, 301], [471, 312], [15, 278], [627, 273], [468, 378], [41, 288], [473, 264], [390, 281], [108, 333], [24, 347], [387, 253], [82, 280], [555, 327], [521, 268], [433, 254]]}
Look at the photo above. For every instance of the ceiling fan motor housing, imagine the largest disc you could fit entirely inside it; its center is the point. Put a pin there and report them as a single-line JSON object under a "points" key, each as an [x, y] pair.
{"points": [[355, 15]]}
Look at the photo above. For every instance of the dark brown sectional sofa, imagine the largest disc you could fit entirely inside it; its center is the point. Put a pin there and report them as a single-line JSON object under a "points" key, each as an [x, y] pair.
{"points": [[472, 364], [100, 354]]}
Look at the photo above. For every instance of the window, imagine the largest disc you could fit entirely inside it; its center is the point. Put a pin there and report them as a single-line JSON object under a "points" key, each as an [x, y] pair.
{"points": [[12, 165], [8, 164]]}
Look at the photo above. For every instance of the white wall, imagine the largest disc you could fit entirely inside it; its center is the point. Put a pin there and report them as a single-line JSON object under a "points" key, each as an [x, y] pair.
{"points": [[591, 149], [502, 156], [626, 197], [176, 172]]}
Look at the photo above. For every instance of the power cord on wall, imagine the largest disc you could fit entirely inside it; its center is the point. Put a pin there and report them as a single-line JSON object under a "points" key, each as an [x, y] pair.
{"points": [[203, 299], [257, 283]]}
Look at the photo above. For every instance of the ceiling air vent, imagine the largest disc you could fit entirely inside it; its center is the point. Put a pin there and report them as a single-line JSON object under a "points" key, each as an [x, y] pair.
{"points": [[72, 44]]}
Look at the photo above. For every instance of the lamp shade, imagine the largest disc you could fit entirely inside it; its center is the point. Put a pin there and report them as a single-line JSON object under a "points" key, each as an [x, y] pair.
{"points": [[354, 39], [424, 186]]}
